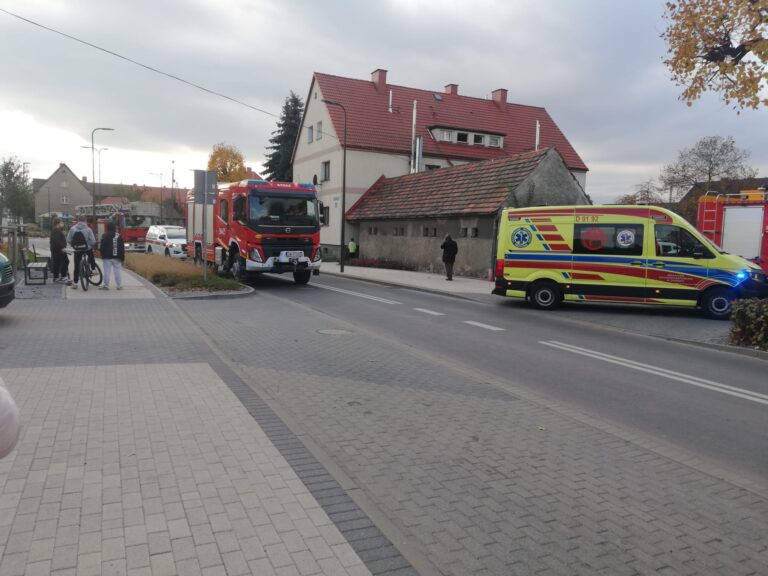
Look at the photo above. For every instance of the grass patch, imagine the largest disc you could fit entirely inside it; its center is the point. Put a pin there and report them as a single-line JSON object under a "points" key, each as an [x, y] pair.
{"points": [[176, 274]]}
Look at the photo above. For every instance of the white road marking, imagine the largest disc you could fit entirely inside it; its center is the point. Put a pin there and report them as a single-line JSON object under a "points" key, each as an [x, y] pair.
{"points": [[486, 326], [656, 370], [432, 312], [358, 294]]}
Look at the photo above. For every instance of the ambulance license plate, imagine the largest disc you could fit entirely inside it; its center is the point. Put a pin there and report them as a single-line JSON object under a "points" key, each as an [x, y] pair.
{"points": [[294, 254]]}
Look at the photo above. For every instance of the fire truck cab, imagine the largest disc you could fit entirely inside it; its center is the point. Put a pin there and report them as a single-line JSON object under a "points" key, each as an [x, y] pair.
{"points": [[255, 226]]}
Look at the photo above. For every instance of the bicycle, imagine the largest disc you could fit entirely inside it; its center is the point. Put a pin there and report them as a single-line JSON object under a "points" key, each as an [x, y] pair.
{"points": [[89, 273]]}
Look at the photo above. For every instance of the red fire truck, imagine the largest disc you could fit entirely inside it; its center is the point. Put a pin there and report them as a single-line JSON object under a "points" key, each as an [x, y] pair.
{"points": [[133, 220], [738, 223], [255, 226]]}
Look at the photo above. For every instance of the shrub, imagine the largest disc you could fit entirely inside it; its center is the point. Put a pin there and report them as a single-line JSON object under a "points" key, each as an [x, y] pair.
{"points": [[749, 323], [176, 274]]}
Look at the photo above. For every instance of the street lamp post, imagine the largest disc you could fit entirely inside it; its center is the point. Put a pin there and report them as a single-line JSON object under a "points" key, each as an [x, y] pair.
{"points": [[343, 181], [98, 153], [160, 175], [93, 175]]}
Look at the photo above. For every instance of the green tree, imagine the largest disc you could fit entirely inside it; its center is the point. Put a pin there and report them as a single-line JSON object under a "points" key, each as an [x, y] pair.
{"points": [[719, 46], [16, 196], [228, 163], [278, 165]]}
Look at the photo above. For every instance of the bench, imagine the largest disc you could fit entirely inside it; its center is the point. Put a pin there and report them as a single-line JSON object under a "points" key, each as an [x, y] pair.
{"points": [[34, 272]]}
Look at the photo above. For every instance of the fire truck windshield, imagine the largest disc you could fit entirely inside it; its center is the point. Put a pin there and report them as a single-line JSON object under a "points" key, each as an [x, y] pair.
{"points": [[281, 210]]}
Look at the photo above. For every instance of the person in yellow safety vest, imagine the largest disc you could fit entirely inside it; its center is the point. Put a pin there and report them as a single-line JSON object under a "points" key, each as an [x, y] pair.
{"points": [[352, 248]]}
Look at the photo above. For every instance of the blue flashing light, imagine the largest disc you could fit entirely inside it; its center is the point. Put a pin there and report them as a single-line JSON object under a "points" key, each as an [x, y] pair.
{"points": [[742, 275], [307, 186], [257, 182]]}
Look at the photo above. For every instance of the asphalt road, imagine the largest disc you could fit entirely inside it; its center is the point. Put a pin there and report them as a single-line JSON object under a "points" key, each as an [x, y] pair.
{"points": [[708, 402], [483, 437]]}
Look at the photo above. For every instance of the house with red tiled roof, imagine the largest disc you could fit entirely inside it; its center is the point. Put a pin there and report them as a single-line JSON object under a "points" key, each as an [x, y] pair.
{"points": [[402, 220], [390, 130]]}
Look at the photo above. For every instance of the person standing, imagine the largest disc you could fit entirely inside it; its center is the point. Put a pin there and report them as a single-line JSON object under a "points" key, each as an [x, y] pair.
{"points": [[450, 249], [352, 248], [58, 246], [82, 240], [112, 250]]}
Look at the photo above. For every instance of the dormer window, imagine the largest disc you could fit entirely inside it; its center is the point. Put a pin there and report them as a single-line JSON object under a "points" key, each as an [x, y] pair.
{"points": [[466, 137]]}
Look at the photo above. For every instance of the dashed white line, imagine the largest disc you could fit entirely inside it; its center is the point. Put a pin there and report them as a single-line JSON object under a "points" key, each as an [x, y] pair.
{"points": [[486, 326], [432, 312], [657, 371], [358, 294]]}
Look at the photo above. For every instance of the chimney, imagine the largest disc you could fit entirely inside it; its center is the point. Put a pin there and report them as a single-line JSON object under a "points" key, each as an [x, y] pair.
{"points": [[379, 79], [499, 96], [85, 178], [452, 89]]}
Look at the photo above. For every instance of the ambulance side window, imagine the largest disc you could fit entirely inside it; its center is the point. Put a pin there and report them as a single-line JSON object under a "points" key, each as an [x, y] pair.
{"points": [[608, 239], [677, 242]]}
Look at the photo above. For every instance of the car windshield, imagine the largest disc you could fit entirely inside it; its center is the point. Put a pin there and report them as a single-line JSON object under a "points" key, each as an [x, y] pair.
{"points": [[281, 210]]}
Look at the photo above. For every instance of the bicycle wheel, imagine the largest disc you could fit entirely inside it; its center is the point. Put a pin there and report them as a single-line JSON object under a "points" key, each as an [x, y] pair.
{"points": [[85, 272], [95, 277]]}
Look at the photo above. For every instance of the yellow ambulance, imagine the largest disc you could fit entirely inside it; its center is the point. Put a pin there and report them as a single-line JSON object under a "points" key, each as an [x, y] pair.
{"points": [[627, 254]]}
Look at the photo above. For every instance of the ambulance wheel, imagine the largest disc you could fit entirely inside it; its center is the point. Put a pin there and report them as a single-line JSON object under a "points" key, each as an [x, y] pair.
{"points": [[717, 303], [301, 276], [545, 295]]}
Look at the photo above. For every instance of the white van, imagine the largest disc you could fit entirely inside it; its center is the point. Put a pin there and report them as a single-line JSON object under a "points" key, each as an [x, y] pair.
{"points": [[168, 241]]}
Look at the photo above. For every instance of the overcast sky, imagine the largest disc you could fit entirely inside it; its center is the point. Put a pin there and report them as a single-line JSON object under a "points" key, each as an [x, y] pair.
{"points": [[595, 65]]}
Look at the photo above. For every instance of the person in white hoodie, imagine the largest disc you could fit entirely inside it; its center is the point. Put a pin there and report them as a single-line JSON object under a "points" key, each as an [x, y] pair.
{"points": [[82, 240], [9, 422]]}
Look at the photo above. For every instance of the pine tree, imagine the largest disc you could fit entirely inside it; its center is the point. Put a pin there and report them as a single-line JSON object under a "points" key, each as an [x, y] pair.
{"points": [[278, 165]]}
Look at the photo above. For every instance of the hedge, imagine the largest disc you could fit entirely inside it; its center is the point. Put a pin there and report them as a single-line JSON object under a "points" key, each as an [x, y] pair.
{"points": [[749, 323]]}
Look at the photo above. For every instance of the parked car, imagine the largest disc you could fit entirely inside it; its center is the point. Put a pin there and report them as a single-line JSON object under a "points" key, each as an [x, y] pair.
{"points": [[168, 241], [7, 281]]}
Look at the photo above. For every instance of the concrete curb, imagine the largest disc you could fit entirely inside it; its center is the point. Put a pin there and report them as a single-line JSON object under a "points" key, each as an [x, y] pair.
{"points": [[463, 296], [191, 295]]}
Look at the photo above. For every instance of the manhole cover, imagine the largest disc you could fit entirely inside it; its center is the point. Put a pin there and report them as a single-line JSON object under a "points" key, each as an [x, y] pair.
{"points": [[334, 331]]}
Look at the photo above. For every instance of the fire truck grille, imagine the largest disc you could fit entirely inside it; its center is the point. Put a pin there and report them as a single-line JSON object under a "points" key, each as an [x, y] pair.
{"points": [[273, 247]]}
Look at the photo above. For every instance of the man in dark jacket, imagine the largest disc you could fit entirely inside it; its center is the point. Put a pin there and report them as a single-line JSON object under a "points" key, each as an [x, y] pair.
{"points": [[59, 258], [450, 249], [112, 250]]}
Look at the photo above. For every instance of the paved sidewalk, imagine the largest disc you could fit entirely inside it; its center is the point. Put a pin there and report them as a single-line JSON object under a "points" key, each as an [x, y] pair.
{"points": [[143, 454]]}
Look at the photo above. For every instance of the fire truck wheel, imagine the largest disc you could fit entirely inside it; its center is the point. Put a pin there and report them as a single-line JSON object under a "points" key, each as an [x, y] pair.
{"points": [[149, 249], [717, 303], [237, 267], [167, 252], [545, 295], [301, 276]]}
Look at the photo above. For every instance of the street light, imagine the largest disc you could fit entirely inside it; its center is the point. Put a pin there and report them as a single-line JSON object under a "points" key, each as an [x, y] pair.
{"points": [[98, 152], [93, 175], [343, 181], [160, 175]]}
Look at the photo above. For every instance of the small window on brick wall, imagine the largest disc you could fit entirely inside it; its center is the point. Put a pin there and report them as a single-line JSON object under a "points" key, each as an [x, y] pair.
{"points": [[373, 231], [434, 232], [463, 233], [474, 233], [398, 231]]}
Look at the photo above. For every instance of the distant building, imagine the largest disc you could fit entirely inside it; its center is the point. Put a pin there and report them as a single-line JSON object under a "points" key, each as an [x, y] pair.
{"points": [[395, 130], [403, 220], [63, 191]]}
